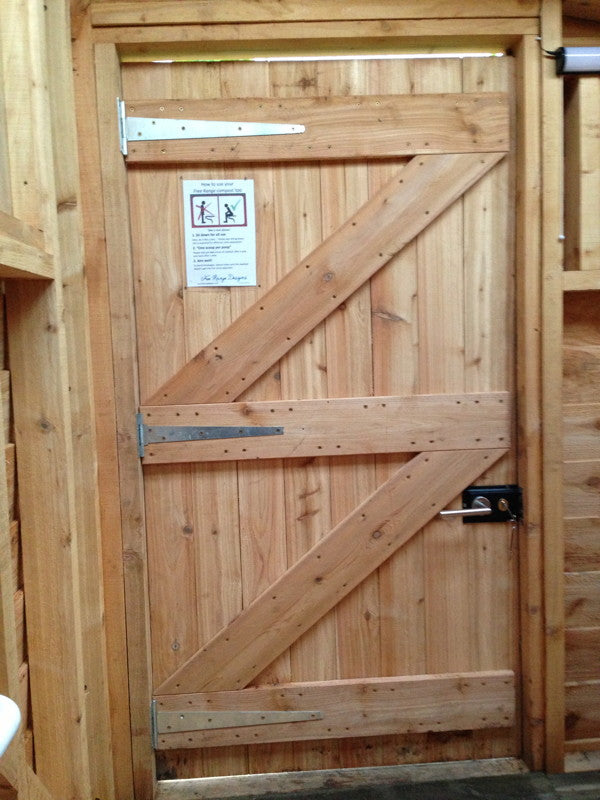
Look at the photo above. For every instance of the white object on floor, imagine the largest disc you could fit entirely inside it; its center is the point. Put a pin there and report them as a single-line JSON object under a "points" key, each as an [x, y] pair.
{"points": [[10, 719]]}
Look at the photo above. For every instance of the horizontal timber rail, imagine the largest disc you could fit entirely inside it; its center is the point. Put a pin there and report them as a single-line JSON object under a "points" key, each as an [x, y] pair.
{"points": [[182, 12], [365, 37], [375, 706], [336, 127], [337, 427]]}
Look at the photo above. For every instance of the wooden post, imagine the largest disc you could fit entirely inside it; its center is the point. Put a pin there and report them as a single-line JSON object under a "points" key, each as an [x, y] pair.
{"points": [[116, 214], [53, 417], [529, 396], [552, 255], [107, 461]]}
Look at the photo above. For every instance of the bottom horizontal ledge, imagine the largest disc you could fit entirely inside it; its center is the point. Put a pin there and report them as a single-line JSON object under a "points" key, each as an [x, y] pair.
{"points": [[338, 709]]}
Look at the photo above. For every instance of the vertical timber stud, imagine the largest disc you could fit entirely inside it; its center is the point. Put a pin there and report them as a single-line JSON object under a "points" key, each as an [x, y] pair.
{"points": [[552, 255], [43, 424], [120, 277], [528, 257], [108, 470], [70, 253]]}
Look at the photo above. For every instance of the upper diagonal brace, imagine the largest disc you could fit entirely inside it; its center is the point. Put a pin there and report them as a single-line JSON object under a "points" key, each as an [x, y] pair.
{"points": [[379, 230]]}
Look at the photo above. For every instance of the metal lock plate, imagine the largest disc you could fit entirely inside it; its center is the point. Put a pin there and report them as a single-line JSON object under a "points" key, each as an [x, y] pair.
{"points": [[506, 503]]}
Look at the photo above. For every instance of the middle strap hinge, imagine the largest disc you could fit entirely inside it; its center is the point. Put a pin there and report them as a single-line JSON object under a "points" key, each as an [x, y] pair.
{"points": [[157, 434]]}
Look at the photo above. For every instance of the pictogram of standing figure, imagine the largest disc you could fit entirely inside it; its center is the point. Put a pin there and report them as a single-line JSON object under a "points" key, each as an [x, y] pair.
{"points": [[205, 214]]}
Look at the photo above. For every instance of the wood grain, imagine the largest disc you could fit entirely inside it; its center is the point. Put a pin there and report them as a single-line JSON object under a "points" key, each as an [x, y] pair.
{"points": [[582, 715], [582, 488], [291, 309], [372, 707], [373, 126], [125, 377], [582, 173], [19, 259], [582, 544], [337, 427], [168, 12], [582, 599], [581, 431], [328, 572], [582, 654]]}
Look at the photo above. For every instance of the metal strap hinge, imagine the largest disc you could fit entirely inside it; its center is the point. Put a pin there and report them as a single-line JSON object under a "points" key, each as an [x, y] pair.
{"points": [[157, 434], [179, 721], [152, 129]]}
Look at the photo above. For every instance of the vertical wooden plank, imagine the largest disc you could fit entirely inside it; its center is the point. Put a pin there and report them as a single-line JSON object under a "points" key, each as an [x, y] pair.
{"points": [[290, 241], [76, 319], [13, 763], [216, 517], [5, 192], [552, 255], [582, 173], [441, 369], [155, 205], [529, 394], [118, 247], [104, 417], [395, 367], [48, 484], [350, 372], [489, 365]]}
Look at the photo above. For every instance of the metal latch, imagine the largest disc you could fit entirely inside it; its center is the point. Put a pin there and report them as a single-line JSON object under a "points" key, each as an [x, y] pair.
{"points": [[490, 504], [157, 434], [151, 129], [179, 721]]}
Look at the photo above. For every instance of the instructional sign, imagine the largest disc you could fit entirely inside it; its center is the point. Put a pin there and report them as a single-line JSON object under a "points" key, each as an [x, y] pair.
{"points": [[220, 232]]}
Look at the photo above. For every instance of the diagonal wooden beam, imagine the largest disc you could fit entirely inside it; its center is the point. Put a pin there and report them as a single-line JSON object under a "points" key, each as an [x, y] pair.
{"points": [[382, 227], [329, 571]]}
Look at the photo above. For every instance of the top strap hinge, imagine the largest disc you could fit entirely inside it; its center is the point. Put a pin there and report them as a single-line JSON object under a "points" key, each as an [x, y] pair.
{"points": [[152, 129]]}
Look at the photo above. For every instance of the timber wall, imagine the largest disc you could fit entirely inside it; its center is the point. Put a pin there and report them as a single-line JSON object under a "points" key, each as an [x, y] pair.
{"points": [[69, 745], [581, 406]]}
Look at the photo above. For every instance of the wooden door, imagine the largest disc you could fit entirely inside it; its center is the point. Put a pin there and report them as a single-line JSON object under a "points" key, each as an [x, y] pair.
{"points": [[309, 607]]}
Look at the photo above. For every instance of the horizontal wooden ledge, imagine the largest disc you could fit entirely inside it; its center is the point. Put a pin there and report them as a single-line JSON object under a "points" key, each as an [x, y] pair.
{"points": [[581, 745], [371, 706], [336, 127], [583, 280], [364, 37], [331, 427], [21, 250], [180, 12]]}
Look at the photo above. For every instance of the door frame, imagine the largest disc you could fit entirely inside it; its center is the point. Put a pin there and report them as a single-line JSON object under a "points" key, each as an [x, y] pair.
{"points": [[98, 54]]}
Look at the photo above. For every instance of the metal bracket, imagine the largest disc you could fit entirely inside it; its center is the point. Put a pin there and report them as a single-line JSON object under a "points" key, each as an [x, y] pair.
{"points": [[152, 129], [157, 434], [179, 721], [153, 725], [122, 125]]}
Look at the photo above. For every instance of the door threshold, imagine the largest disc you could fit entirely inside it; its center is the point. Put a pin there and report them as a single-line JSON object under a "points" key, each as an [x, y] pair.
{"points": [[290, 782]]}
